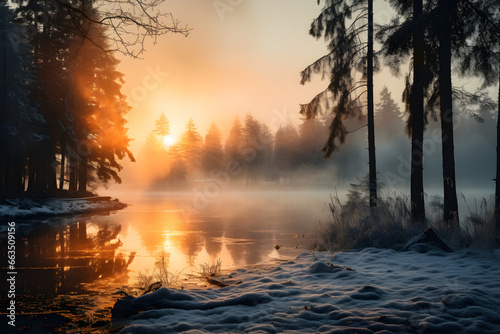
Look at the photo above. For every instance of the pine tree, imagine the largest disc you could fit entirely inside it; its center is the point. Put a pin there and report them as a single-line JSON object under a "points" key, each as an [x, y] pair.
{"points": [[190, 145], [250, 150], [481, 57], [234, 141], [286, 155], [443, 30], [387, 114], [339, 23], [311, 132], [212, 157], [233, 145], [265, 152], [100, 108], [22, 127], [162, 127], [393, 143]]}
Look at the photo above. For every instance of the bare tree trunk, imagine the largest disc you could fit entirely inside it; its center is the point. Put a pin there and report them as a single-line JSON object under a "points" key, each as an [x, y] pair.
{"points": [[371, 126], [446, 113], [417, 120]]}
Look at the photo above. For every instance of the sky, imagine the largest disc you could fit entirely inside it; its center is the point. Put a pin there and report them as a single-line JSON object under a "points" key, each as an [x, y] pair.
{"points": [[242, 56]]}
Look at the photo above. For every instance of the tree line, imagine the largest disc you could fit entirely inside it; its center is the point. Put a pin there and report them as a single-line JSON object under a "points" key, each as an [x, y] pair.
{"points": [[62, 120], [289, 155], [430, 36]]}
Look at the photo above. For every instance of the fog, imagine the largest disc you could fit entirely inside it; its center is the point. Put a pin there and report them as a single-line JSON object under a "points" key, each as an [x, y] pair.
{"points": [[253, 157]]}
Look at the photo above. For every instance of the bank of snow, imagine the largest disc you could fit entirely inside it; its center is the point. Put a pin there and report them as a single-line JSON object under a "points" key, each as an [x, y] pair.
{"points": [[386, 292], [26, 208]]}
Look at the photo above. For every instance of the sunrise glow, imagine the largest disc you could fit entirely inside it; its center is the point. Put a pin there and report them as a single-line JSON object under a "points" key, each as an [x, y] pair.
{"points": [[168, 141]]}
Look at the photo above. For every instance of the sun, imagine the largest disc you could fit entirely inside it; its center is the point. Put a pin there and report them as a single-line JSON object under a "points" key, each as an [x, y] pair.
{"points": [[168, 141]]}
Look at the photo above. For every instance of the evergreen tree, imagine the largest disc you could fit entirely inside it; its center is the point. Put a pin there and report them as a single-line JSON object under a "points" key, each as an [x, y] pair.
{"points": [[265, 153], [250, 150], [190, 146], [339, 23], [234, 143], [178, 167], [50, 41], [442, 30], [100, 108], [22, 127], [311, 134], [388, 118], [481, 57], [162, 127], [393, 143], [212, 157], [286, 155]]}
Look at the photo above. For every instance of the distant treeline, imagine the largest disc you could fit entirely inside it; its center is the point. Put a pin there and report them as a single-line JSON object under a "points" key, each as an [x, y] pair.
{"points": [[292, 155], [252, 153]]}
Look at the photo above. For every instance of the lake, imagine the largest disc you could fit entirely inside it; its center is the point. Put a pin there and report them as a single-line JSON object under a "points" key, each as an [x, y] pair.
{"points": [[70, 266]]}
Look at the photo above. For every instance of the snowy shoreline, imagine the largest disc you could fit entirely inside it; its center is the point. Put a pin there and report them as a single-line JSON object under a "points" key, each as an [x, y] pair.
{"points": [[368, 291], [28, 208]]}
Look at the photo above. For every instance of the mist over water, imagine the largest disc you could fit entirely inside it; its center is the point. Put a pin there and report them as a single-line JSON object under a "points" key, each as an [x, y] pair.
{"points": [[239, 227]]}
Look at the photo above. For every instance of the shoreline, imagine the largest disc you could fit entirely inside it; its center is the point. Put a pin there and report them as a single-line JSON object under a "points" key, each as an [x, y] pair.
{"points": [[54, 207]]}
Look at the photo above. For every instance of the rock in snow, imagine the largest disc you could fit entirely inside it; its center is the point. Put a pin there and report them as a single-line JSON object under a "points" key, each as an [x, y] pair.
{"points": [[387, 292], [426, 241]]}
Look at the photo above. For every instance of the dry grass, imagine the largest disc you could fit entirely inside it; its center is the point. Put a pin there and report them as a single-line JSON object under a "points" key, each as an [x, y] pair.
{"points": [[159, 274], [477, 228], [211, 269], [355, 225]]}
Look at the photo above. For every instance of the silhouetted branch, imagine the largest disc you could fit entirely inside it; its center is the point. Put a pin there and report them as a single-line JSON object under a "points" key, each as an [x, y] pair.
{"points": [[130, 23]]}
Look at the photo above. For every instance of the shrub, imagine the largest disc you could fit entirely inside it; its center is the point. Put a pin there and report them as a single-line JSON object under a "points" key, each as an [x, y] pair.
{"points": [[160, 276], [211, 269], [356, 225]]}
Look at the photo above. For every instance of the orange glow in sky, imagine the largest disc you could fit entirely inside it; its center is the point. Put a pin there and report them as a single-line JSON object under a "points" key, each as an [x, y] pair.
{"points": [[243, 60]]}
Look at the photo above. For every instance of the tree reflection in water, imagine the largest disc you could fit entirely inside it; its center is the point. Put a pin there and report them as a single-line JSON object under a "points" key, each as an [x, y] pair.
{"points": [[64, 267]]}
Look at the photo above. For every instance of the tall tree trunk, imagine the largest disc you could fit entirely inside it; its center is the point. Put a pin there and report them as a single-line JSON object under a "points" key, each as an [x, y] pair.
{"points": [[3, 112], [73, 175], [446, 113], [41, 175], [3, 189], [371, 126], [52, 173], [497, 177], [417, 119], [82, 175], [61, 173], [32, 168]]}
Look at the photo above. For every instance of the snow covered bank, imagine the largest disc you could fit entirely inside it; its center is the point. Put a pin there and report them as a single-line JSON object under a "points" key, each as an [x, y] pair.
{"points": [[370, 291], [58, 206]]}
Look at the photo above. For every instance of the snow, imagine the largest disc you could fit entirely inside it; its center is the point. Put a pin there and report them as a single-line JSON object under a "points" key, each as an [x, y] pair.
{"points": [[57, 206], [368, 291]]}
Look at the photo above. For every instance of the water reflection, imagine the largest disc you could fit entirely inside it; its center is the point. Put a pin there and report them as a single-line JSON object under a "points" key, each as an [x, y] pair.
{"points": [[240, 229], [63, 255], [55, 258]]}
